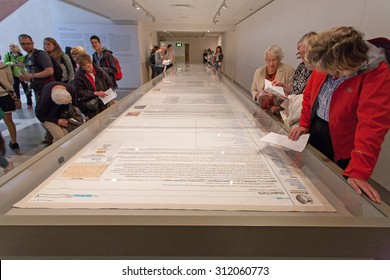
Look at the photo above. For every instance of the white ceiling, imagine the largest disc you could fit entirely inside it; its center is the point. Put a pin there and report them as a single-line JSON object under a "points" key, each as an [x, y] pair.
{"points": [[179, 17]]}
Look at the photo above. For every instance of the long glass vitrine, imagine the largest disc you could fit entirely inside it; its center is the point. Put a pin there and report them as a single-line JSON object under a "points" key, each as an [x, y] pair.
{"points": [[178, 169]]}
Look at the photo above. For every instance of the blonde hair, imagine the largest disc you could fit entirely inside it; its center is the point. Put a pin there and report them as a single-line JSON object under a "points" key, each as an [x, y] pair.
{"points": [[57, 52], [340, 50], [77, 50], [275, 51]]}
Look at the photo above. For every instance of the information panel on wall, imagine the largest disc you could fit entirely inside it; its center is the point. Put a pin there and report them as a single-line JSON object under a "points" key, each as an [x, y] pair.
{"points": [[122, 40]]}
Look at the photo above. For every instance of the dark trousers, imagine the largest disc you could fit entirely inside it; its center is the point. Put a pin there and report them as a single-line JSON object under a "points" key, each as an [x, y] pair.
{"points": [[27, 92], [159, 70], [153, 68], [320, 139]]}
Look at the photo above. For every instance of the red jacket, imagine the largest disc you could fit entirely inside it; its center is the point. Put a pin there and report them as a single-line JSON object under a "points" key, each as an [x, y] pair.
{"points": [[359, 117]]}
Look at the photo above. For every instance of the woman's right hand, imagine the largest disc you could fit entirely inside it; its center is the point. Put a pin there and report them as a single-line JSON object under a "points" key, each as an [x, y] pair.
{"points": [[63, 122], [296, 132], [100, 93], [278, 83]]}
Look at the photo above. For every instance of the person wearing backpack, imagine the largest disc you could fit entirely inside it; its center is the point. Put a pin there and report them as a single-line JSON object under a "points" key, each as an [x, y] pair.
{"points": [[152, 60], [39, 71], [62, 65], [105, 59], [38, 65]]}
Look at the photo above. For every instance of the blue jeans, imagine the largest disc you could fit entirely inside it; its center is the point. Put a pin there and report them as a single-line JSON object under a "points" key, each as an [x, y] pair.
{"points": [[159, 70]]}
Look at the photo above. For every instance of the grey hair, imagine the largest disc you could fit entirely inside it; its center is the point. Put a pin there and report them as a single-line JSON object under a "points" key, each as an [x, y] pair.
{"points": [[305, 38], [274, 50], [16, 46]]}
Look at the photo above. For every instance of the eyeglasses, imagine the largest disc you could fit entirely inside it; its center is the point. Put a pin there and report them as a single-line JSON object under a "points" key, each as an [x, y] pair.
{"points": [[300, 55], [25, 44], [271, 60]]}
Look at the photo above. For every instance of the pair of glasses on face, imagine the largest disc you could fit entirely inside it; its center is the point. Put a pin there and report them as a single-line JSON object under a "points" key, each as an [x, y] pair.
{"points": [[300, 55], [25, 44], [271, 60]]}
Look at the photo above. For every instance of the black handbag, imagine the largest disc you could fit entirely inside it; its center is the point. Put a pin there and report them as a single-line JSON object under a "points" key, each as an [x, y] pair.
{"points": [[74, 117], [92, 105]]}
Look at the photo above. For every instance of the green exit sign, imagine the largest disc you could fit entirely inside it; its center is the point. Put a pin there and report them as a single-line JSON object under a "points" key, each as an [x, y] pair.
{"points": [[179, 44]]}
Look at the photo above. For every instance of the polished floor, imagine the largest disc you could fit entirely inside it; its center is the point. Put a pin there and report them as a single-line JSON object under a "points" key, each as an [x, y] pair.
{"points": [[30, 132]]}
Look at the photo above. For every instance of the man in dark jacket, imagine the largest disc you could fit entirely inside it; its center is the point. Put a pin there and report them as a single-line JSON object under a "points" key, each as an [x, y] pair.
{"points": [[38, 65], [55, 99]]}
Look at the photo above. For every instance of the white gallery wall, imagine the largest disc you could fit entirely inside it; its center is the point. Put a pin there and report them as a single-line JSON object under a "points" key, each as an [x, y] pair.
{"points": [[43, 18], [147, 39], [283, 22], [37, 18]]}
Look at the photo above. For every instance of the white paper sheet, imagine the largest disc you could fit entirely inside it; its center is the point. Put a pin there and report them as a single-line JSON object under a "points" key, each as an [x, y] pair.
{"points": [[166, 62], [273, 89], [110, 96], [282, 140]]}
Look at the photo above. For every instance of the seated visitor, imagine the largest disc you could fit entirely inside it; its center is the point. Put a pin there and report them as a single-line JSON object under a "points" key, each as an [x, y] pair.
{"points": [[273, 70]]}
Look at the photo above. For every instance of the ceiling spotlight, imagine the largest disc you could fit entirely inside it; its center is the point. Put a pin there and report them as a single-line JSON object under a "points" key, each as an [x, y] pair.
{"points": [[138, 7], [218, 13]]}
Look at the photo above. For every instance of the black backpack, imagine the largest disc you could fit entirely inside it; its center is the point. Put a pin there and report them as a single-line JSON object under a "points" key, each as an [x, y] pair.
{"points": [[152, 59]]}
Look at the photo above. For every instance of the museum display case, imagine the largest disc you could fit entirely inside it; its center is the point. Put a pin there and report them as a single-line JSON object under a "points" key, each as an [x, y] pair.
{"points": [[177, 169]]}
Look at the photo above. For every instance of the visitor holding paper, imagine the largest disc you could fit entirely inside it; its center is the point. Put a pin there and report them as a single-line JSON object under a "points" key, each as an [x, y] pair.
{"points": [[91, 83], [273, 70], [346, 103]]}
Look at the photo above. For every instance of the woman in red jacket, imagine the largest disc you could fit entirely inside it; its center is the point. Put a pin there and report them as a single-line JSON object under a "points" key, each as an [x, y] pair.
{"points": [[346, 103]]}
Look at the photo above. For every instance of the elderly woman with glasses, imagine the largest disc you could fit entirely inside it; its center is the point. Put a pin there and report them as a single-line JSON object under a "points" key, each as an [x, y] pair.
{"points": [[273, 70]]}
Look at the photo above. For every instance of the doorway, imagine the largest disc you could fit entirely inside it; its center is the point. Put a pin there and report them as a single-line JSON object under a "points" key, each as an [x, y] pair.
{"points": [[187, 53]]}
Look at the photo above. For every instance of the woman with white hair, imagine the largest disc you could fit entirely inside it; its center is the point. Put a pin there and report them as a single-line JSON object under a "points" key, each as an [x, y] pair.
{"points": [[273, 70], [16, 60], [55, 99]]}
